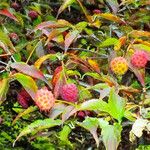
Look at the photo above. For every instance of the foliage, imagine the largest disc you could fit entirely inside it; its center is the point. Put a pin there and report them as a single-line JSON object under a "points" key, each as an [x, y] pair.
{"points": [[49, 44]]}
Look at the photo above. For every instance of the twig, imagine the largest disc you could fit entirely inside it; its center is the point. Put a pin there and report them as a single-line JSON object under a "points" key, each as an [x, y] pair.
{"points": [[32, 52], [3, 63], [80, 82], [3, 55]]}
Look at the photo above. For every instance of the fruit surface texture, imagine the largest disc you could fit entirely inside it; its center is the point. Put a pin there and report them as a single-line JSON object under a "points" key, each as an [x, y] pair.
{"points": [[119, 65], [33, 14], [69, 92], [139, 59], [44, 99], [23, 98]]}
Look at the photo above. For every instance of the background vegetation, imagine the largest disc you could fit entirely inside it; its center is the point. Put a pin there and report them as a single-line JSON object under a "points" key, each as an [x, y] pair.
{"points": [[53, 43]]}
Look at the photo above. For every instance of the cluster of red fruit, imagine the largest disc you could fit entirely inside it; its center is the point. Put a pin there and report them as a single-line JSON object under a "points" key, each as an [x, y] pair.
{"points": [[45, 99], [119, 65], [32, 13]]}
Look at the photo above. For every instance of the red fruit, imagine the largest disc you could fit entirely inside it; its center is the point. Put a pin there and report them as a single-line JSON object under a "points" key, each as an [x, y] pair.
{"points": [[139, 59], [44, 99], [33, 14], [83, 114], [69, 92], [97, 11], [23, 98], [119, 65], [14, 37], [15, 6], [64, 33], [56, 75]]}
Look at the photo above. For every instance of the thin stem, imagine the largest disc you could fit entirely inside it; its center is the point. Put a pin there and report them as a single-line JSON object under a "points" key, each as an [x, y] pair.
{"points": [[66, 102], [3, 63], [3, 55], [82, 49], [32, 52]]}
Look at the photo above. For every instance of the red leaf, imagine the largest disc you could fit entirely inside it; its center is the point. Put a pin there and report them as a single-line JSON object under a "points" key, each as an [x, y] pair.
{"points": [[58, 86], [139, 73], [7, 13], [70, 37], [53, 24], [29, 70]]}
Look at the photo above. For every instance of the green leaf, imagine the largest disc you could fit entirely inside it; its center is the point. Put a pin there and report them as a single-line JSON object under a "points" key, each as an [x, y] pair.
{"points": [[73, 73], [4, 84], [5, 39], [29, 70], [92, 74], [129, 115], [103, 123], [84, 93], [141, 47], [28, 83], [54, 33], [25, 112], [37, 126], [17, 57], [111, 136], [116, 105], [94, 104], [102, 88], [63, 135], [81, 25], [57, 109], [65, 4], [91, 124], [39, 62], [109, 42], [143, 147]]}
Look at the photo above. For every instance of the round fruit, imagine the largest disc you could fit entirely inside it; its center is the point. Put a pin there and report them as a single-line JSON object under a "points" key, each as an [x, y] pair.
{"points": [[33, 14], [14, 37], [44, 99], [23, 98], [119, 65], [139, 59], [97, 11], [15, 6], [69, 92], [83, 114]]}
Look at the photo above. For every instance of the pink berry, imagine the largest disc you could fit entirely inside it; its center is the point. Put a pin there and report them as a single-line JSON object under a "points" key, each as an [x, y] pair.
{"points": [[69, 92], [44, 99], [15, 6], [33, 14], [97, 11], [139, 59], [83, 114]]}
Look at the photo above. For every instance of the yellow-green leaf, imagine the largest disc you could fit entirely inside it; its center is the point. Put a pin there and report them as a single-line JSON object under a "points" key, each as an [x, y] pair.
{"points": [[4, 85], [28, 83], [39, 62], [65, 4]]}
